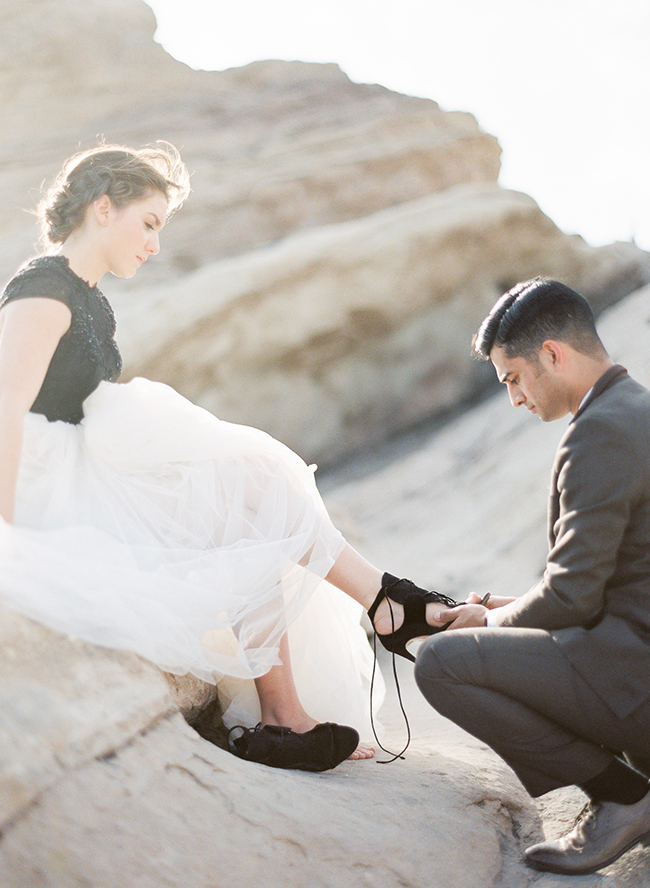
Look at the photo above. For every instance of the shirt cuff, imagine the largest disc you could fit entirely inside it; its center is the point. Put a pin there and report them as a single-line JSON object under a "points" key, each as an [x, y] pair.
{"points": [[491, 620]]}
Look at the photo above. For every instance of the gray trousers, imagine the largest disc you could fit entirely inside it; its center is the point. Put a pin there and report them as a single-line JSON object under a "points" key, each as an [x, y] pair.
{"points": [[515, 691]]}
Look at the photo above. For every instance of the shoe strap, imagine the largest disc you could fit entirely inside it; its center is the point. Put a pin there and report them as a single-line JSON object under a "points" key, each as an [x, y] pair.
{"points": [[400, 754]]}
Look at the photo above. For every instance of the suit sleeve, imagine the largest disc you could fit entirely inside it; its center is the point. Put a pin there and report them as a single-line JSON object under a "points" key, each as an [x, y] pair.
{"points": [[598, 484]]}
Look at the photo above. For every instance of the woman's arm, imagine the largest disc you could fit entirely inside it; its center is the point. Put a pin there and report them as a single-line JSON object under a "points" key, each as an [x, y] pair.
{"points": [[31, 330]]}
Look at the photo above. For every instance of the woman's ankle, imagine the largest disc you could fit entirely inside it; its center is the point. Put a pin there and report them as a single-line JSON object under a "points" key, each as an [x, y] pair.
{"points": [[290, 715]]}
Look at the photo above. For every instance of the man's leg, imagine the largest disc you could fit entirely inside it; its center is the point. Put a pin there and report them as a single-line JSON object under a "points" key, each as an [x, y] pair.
{"points": [[513, 689]]}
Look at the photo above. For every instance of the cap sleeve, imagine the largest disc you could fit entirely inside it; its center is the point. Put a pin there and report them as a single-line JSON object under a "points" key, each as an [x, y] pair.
{"points": [[39, 279]]}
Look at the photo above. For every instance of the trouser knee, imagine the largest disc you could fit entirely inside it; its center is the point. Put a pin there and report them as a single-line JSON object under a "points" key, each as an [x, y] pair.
{"points": [[433, 666]]}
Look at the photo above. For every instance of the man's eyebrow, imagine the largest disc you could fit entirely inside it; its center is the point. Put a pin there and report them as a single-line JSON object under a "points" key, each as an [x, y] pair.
{"points": [[504, 376]]}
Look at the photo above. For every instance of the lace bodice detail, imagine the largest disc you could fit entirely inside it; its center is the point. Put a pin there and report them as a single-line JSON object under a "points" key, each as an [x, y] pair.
{"points": [[87, 353]]}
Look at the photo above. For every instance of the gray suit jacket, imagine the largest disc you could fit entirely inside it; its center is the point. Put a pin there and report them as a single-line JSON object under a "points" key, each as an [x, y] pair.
{"points": [[594, 597]]}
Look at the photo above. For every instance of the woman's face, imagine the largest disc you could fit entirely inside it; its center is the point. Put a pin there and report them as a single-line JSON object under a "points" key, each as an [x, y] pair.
{"points": [[131, 233]]}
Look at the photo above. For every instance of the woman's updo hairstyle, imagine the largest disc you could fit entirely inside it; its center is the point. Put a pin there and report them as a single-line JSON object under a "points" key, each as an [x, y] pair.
{"points": [[124, 174]]}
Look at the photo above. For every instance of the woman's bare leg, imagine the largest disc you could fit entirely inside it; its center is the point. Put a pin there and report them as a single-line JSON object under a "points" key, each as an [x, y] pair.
{"points": [[359, 579], [279, 701], [280, 704], [362, 581]]}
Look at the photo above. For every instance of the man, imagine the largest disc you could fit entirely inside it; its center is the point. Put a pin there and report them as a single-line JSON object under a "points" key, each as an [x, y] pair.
{"points": [[557, 681]]}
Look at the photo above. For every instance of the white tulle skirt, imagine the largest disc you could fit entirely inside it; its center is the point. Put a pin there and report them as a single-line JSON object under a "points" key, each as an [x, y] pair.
{"points": [[156, 528]]}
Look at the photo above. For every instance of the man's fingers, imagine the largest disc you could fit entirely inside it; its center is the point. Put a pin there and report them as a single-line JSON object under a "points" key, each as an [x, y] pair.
{"points": [[446, 616], [473, 598]]}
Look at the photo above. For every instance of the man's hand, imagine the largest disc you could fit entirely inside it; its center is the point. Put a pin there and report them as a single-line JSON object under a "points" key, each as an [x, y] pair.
{"points": [[463, 616], [472, 613], [492, 600]]}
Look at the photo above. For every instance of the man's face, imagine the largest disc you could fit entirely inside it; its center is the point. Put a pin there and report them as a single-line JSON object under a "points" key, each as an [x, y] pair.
{"points": [[534, 384]]}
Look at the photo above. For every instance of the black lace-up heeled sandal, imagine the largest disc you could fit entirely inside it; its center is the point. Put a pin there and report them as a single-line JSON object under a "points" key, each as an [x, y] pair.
{"points": [[322, 748], [414, 601]]}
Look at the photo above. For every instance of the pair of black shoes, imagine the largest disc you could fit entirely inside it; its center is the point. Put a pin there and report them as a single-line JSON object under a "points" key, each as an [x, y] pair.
{"points": [[329, 744]]}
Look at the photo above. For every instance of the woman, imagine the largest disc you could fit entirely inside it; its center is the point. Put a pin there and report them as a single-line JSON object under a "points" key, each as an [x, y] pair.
{"points": [[135, 520]]}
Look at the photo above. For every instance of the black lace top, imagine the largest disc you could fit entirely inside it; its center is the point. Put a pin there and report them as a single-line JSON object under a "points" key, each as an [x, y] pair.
{"points": [[87, 352]]}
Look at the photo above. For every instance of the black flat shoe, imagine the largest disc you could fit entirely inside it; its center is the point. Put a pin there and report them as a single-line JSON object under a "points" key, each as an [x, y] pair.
{"points": [[322, 748], [414, 601]]}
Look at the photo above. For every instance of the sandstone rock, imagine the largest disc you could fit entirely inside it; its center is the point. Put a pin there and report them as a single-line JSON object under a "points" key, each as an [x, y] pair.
{"points": [[336, 337], [103, 783], [190, 694], [64, 703], [274, 146], [170, 810]]}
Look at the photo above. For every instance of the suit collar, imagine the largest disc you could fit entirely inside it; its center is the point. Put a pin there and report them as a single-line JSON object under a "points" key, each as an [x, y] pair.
{"points": [[609, 377]]}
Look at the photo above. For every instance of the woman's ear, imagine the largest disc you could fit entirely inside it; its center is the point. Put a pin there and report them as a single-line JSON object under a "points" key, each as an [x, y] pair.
{"points": [[102, 209]]}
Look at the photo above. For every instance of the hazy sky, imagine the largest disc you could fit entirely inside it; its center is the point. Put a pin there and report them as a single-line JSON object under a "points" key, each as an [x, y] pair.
{"points": [[564, 85]]}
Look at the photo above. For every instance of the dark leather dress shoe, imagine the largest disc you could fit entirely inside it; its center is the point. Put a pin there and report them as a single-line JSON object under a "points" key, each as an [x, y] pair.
{"points": [[603, 831]]}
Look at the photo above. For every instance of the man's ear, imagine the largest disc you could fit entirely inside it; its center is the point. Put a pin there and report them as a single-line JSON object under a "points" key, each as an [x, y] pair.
{"points": [[554, 353], [102, 208]]}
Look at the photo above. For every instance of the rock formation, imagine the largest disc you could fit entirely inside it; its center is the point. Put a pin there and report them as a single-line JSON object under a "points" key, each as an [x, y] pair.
{"points": [[340, 245], [336, 337], [274, 147]]}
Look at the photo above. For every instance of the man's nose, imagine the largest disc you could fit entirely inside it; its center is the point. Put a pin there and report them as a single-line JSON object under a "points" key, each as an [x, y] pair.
{"points": [[517, 397]]}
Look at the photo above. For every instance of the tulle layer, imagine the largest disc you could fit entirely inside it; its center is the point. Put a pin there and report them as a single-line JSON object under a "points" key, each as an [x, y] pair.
{"points": [[156, 528]]}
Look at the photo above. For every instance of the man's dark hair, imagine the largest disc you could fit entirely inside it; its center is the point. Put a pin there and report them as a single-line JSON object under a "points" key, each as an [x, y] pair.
{"points": [[534, 311]]}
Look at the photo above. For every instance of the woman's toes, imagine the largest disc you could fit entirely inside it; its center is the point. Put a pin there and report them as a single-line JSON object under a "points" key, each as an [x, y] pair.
{"points": [[362, 752]]}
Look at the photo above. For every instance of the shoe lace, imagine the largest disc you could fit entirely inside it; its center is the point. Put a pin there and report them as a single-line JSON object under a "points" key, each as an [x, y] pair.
{"points": [[400, 754], [409, 589], [586, 813]]}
